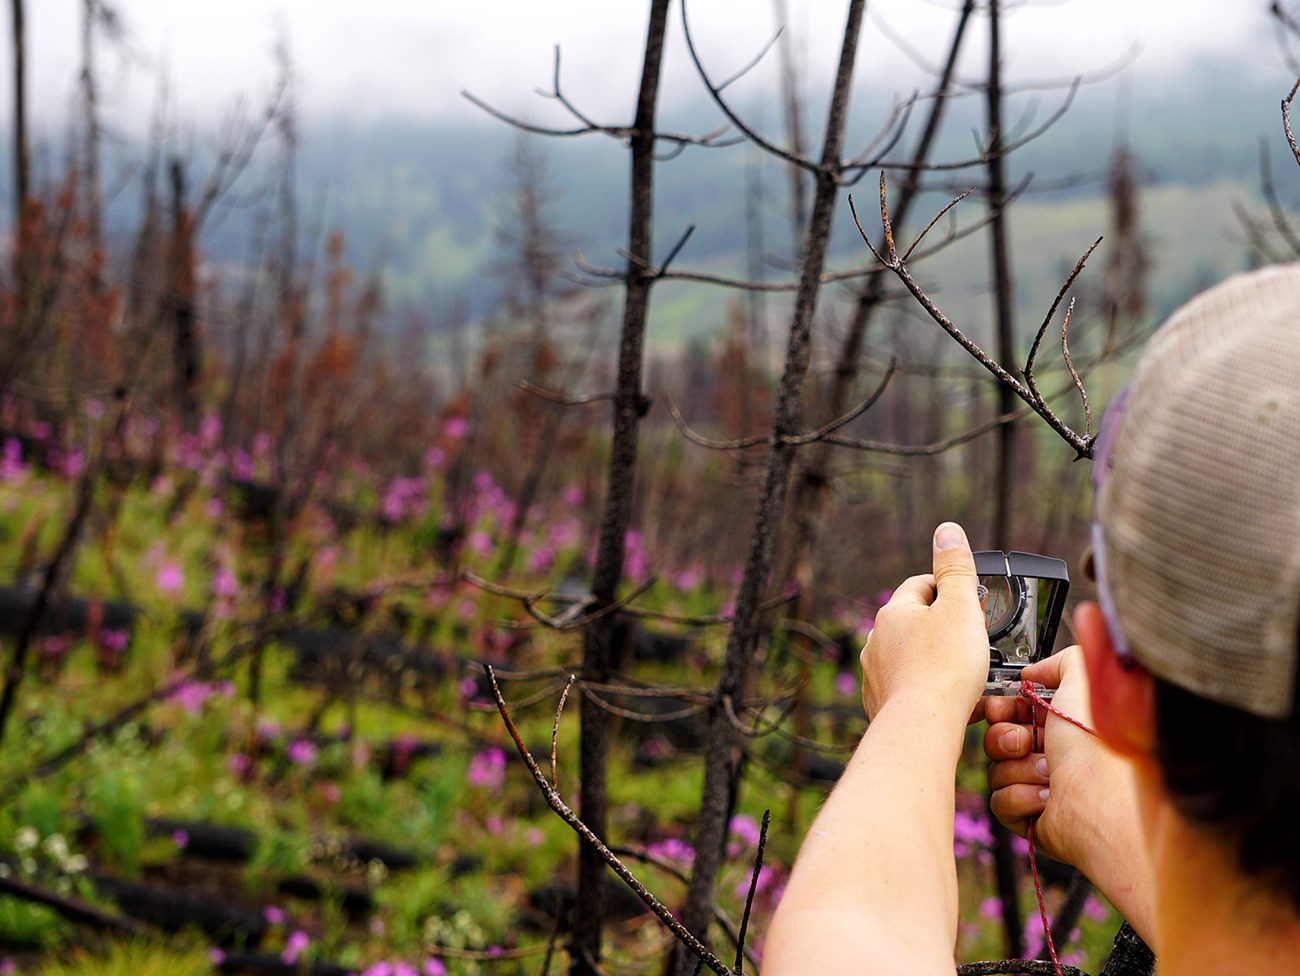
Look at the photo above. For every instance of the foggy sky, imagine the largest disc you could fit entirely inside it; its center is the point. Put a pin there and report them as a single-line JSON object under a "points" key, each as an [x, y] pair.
{"points": [[411, 58]]}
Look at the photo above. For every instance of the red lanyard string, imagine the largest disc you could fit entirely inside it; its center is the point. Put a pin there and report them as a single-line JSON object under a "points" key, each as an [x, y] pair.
{"points": [[1027, 691]]}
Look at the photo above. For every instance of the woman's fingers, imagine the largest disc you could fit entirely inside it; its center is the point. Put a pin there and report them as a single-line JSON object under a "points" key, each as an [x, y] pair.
{"points": [[1011, 740], [1013, 805], [1031, 771]]}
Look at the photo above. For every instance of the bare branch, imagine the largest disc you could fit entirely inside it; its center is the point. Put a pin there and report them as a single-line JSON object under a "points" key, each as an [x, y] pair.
{"points": [[1047, 319], [556, 803], [1286, 121], [1006, 149], [715, 92], [1011, 967], [540, 130], [937, 217], [753, 886], [1081, 444], [674, 251], [928, 450], [573, 617], [897, 124], [555, 729], [753, 62], [1074, 373], [852, 415], [560, 398], [714, 445]]}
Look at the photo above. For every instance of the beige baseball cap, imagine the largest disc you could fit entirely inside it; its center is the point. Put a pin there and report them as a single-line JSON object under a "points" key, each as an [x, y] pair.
{"points": [[1200, 513]]}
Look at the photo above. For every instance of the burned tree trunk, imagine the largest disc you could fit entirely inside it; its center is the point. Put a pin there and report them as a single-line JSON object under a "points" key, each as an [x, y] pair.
{"points": [[720, 750], [630, 405]]}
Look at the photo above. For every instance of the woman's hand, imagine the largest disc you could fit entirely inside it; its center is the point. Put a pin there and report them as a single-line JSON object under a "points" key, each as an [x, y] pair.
{"points": [[929, 639]]}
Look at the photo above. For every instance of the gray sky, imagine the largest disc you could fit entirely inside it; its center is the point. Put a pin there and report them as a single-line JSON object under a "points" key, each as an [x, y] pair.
{"points": [[411, 58]]}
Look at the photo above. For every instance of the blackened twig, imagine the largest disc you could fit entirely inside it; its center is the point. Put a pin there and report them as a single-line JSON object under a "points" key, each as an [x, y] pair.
{"points": [[565, 812], [753, 886], [555, 729]]}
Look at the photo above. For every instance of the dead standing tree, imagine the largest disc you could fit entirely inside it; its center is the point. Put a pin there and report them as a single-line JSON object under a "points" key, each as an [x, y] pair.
{"points": [[630, 404], [720, 743]]}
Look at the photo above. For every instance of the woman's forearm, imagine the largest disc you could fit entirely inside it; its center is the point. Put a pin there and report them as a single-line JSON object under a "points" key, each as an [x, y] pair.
{"points": [[876, 879]]}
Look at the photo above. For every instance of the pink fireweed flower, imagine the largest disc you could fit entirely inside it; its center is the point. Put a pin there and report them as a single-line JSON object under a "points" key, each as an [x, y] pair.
{"points": [[846, 683], [224, 583], [273, 914], [294, 945], [181, 839], [433, 967], [541, 559], [674, 850], [454, 428], [991, 909], [572, 496], [487, 769], [686, 579], [11, 460], [635, 562], [744, 829], [170, 579], [301, 752], [112, 640], [216, 956], [767, 883], [480, 543], [970, 833], [564, 533], [191, 695], [239, 764]]}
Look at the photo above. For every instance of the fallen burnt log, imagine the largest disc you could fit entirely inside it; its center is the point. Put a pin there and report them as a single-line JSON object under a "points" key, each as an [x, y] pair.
{"points": [[355, 901], [214, 841], [173, 909], [550, 906], [335, 657], [73, 909], [268, 964]]}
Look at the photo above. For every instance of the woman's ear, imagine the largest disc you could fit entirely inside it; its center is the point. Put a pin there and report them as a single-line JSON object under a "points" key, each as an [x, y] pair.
{"points": [[1122, 693]]}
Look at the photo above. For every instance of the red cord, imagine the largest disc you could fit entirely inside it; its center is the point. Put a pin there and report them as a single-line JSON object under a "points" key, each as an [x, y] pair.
{"points": [[1027, 691], [1042, 905]]}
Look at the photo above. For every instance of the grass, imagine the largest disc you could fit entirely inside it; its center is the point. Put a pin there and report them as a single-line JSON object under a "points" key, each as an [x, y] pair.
{"points": [[303, 770]]}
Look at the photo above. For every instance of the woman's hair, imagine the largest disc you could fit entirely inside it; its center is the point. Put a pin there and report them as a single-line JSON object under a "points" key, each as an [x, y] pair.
{"points": [[1235, 776]]}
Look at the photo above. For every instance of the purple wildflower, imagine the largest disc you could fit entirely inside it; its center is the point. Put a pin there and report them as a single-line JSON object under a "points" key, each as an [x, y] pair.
{"points": [[745, 829], [487, 769], [301, 752], [170, 579], [673, 850], [191, 695], [294, 945]]}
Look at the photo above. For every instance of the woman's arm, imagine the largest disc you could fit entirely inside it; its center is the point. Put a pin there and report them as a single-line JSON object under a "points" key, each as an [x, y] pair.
{"points": [[874, 888]]}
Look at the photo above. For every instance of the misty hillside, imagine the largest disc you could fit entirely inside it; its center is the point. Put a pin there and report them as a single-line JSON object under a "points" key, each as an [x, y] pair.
{"points": [[422, 203], [431, 197]]}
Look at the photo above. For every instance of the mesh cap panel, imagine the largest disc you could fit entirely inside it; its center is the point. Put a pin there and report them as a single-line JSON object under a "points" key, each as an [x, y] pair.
{"points": [[1201, 512]]}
